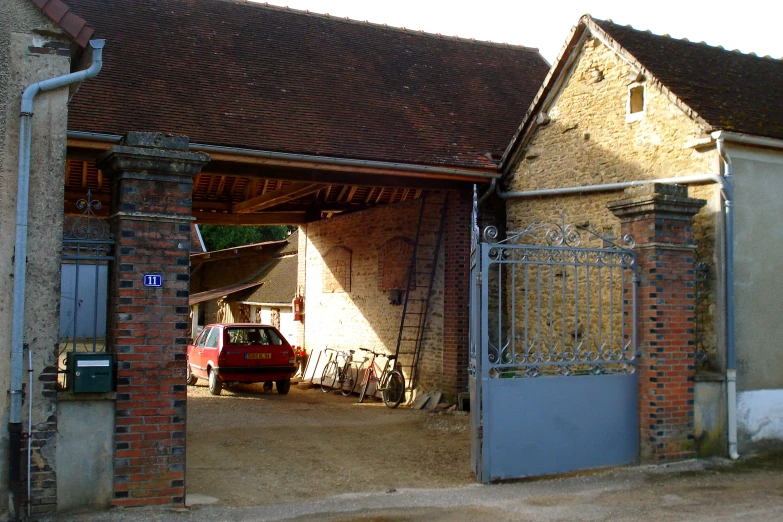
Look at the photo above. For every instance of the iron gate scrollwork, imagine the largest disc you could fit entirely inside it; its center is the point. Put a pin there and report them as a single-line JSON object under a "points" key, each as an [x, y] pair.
{"points": [[86, 252], [561, 307]]}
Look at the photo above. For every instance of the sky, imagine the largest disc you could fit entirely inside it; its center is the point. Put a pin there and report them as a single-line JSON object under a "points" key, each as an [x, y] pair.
{"points": [[750, 26]]}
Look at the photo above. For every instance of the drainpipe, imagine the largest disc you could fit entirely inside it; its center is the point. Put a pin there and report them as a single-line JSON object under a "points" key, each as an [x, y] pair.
{"points": [[20, 262], [609, 187], [731, 364]]}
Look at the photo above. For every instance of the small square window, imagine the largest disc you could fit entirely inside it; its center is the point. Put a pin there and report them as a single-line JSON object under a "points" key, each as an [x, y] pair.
{"points": [[635, 102]]}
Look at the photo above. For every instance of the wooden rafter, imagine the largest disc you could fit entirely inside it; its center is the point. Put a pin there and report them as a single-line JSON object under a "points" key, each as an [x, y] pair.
{"points": [[268, 200], [351, 193]]}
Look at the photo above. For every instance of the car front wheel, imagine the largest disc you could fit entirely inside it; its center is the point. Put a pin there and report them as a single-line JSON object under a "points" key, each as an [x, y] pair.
{"points": [[215, 386]]}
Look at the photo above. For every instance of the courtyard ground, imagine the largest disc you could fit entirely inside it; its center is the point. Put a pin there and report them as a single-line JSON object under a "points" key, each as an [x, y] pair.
{"points": [[312, 457], [248, 448]]}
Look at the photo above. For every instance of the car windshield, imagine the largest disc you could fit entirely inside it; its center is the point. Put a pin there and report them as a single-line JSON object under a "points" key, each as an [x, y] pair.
{"points": [[254, 335]]}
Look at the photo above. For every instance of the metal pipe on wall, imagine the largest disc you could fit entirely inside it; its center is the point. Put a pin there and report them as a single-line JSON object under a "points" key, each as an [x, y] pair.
{"points": [[20, 259], [731, 364]]}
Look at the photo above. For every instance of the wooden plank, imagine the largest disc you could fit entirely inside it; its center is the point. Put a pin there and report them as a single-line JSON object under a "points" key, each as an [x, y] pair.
{"points": [[293, 191]]}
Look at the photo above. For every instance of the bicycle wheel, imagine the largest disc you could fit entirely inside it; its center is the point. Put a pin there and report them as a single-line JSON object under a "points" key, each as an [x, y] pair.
{"points": [[393, 389], [368, 376], [329, 377], [349, 379]]}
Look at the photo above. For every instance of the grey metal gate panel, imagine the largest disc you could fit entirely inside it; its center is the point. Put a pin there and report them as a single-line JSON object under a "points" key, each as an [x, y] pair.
{"points": [[553, 353], [554, 425], [83, 309], [86, 254]]}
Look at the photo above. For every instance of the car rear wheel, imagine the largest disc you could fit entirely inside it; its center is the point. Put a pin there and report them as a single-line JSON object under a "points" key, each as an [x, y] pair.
{"points": [[215, 386], [191, 379], [283, 386]]}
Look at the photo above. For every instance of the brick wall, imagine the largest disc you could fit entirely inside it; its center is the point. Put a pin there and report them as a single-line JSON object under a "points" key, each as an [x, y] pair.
{"points": [[364, 316], [147, 326], [660, 218], [456, 294], [590, 142]]}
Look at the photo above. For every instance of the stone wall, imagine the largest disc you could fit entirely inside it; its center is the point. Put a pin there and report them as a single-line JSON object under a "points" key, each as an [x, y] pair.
{"points": [[364, 316], [32, 49], [591, 141]]}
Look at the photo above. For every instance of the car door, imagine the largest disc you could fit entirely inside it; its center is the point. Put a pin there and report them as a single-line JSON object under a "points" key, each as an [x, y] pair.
{"points": [[209, 352], [195, 350]]}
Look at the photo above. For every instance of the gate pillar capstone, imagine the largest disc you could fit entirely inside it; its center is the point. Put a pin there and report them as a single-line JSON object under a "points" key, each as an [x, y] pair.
{"points": [[152, 179], [660, 217]]}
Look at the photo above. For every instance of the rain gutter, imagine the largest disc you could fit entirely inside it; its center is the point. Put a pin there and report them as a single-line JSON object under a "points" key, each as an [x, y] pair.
{"points": [[306, 158]]}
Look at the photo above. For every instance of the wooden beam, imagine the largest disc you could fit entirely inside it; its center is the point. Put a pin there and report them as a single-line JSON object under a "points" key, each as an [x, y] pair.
{"points": [[351, 193], [266, 218], [293, 191]]}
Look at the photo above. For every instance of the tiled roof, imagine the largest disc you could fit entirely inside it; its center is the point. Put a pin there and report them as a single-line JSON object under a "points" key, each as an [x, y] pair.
{"points": [[74, 26], [719, 89], [293, 244], [252, 76], [727, 89], [208, 295], [279, 283]]}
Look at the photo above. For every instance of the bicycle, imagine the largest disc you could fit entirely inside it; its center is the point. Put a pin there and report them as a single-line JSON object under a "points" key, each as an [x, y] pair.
{"points": [[390, 383], [346, 374]]}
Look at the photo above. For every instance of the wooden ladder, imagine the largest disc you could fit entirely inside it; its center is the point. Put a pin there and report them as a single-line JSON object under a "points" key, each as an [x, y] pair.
{"points": [[421, 275]]}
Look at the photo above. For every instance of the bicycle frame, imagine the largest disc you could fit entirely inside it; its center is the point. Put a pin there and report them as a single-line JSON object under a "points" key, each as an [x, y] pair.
{"points": [[371, 373]]}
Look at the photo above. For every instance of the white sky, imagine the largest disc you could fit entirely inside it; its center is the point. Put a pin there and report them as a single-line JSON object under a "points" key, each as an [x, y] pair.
{"points": [[750, 26]]}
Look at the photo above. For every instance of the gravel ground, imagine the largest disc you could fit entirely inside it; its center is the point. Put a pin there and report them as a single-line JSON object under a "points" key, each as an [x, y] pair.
{"points": [[247, 448], [309, 456]]}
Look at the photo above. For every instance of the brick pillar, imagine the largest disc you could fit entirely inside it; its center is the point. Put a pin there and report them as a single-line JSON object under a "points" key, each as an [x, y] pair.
{"points": [[152, 179], [660, 217], [456, 292]]}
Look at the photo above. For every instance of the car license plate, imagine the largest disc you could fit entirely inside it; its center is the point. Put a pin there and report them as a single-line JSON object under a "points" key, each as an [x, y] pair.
{"points": [[258, 355]]}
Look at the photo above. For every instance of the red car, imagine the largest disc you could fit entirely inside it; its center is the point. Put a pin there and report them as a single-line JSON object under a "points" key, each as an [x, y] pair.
{"points": [[233, 353]]}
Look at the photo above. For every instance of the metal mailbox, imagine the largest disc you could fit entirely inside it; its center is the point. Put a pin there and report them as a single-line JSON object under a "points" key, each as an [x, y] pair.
{"points": [[89, 372]]}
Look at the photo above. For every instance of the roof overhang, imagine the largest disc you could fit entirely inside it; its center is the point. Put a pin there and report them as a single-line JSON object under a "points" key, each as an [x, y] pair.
{"points": [[254, 187]]}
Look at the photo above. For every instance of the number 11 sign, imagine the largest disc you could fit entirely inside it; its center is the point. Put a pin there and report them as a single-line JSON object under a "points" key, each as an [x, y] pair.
{"points": [[154, 280]]}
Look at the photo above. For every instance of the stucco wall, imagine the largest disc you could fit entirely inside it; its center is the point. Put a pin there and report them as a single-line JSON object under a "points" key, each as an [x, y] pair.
{"points": [[758, 182], [364, 317], [591, 142], [31, 50]]}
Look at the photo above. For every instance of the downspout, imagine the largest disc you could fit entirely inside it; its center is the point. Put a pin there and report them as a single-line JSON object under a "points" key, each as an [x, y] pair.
{"points": [[609, 187], [731, 364], [20, 263]]}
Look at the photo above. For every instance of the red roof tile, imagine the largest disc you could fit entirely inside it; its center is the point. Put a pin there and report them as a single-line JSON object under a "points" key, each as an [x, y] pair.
{"points": [[74, 26], [729, 90], [251, 76]]}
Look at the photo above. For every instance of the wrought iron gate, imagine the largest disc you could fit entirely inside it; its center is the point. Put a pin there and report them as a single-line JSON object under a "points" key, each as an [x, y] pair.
{"points": [[552, 363], [86, 252]]}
